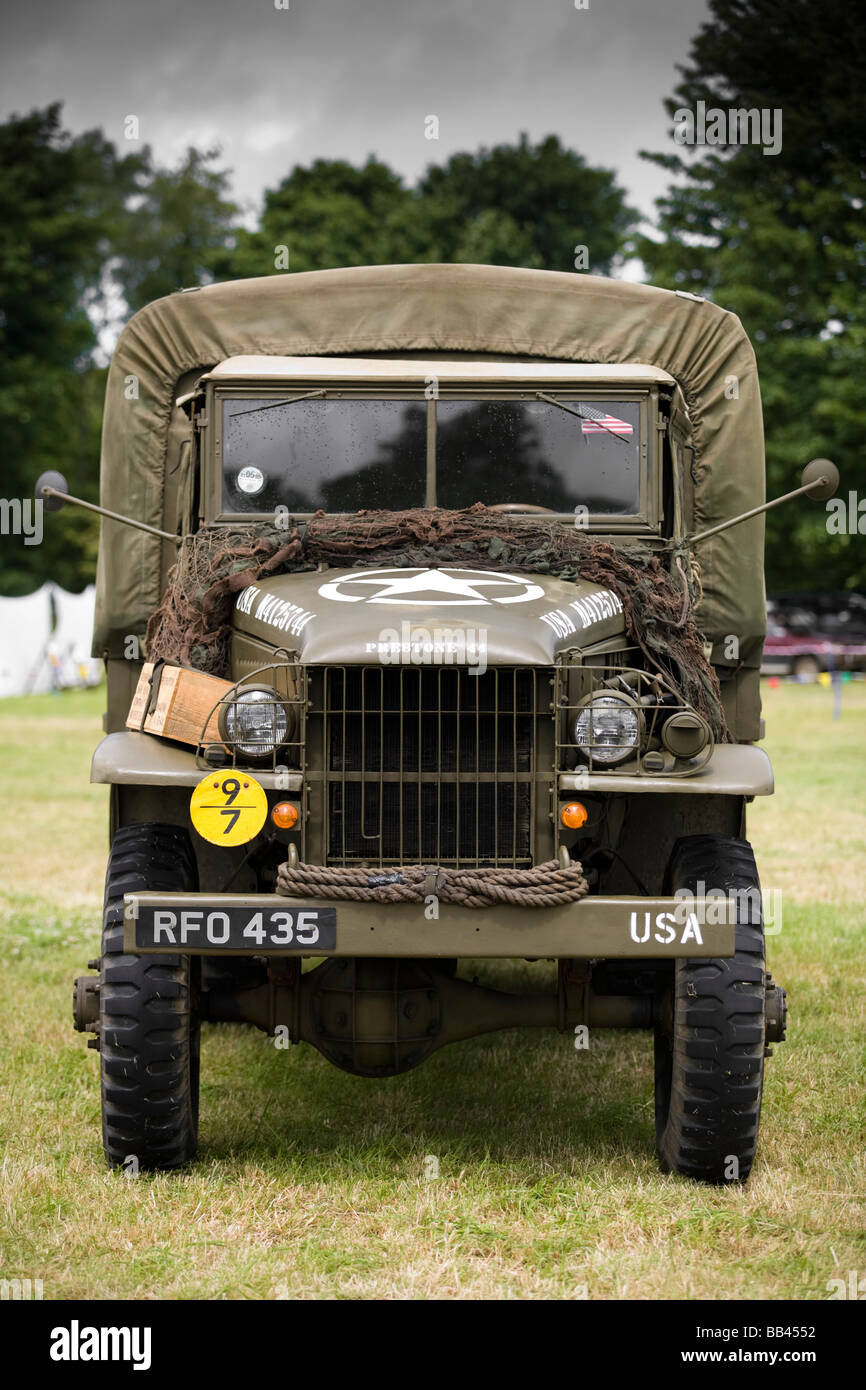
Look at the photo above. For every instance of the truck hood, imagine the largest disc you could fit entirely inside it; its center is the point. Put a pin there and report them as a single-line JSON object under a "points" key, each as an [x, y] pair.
{"points": [[416, 616]]}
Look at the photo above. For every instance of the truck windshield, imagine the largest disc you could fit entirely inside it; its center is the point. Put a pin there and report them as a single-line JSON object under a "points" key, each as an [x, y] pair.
{"points": [[346, 453]]}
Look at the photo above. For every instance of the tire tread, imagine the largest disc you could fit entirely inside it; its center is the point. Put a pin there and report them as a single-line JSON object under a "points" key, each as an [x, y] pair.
{"points": [[718, 1043], [148, 1015]]}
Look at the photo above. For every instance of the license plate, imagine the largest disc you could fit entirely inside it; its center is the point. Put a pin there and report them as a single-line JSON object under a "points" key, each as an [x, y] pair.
{"points": [[210, 927]]}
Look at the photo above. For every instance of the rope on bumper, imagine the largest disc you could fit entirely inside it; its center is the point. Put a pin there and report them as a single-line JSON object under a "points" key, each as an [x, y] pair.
{"points": [[546, 885]]}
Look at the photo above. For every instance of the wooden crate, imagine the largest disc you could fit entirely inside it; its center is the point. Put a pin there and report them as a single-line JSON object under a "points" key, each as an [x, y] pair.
{"points": [[184, 700]]}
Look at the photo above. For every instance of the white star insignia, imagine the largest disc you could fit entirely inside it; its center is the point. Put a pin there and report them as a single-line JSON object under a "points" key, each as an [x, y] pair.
{"points": [[395, 586]]}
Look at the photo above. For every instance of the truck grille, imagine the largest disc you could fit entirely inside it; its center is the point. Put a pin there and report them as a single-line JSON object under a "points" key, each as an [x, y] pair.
{"points": [[430, 765]]}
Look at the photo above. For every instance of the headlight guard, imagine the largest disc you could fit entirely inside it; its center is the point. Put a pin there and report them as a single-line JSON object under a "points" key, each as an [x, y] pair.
{"points": [[627, 720], [261, 720]]}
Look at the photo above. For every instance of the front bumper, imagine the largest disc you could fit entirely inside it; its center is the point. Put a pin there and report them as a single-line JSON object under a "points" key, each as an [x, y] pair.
{"points": [[594, 928], [135, 759]]}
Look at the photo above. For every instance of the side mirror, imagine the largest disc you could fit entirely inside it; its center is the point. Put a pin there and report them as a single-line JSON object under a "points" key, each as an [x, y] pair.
{"points": [[57, 483], [51, 491], [820, 479]]}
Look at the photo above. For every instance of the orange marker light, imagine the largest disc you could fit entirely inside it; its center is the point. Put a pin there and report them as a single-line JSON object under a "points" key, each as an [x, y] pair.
{"points": [[574, 815], [285, 816]]}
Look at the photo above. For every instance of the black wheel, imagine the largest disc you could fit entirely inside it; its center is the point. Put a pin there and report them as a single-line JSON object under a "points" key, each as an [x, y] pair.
{"points": [[148, 1012], [710, 1037]]}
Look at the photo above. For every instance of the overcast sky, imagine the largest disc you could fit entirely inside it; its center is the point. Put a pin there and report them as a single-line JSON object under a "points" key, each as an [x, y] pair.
{"points": [[349, 78]]}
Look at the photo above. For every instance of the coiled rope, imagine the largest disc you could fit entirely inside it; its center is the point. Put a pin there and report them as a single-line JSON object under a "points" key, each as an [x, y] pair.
{"points": [[546, 885]]}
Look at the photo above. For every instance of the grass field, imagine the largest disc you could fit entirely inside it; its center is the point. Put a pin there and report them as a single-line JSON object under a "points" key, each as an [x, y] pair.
{"points": [[311, 1183]]}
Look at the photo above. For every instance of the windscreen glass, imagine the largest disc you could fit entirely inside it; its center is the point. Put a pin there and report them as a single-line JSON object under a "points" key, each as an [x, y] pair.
{"points": [[539, 454], [345, 454], [340, 455]]}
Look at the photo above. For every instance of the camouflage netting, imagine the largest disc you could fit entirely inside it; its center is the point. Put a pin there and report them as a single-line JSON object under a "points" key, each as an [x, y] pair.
{"points": [[193, 623]]}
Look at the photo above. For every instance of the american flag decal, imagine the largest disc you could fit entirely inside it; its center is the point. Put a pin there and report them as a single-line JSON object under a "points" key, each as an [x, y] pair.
{"points": [[602, 423]]}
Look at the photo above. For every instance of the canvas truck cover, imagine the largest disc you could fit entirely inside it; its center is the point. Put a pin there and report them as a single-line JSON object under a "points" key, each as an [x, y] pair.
{"points": [[435, 308]]}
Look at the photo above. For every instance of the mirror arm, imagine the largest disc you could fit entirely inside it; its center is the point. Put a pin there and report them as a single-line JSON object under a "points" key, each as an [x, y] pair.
{"points": [[757, 511], [112, 516]]}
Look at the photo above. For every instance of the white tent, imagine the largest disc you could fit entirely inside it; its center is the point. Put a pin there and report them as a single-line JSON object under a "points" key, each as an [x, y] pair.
{"points": [[45, 641], [25, 628], [69, 647]]}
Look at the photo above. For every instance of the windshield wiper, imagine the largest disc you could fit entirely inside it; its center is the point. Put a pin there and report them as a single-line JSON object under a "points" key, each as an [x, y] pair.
{"points": [[273, 405], [580, 415]]}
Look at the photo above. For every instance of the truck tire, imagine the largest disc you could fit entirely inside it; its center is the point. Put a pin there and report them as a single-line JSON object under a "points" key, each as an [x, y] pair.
{"points": [[148, 1013], [710, 1034]]}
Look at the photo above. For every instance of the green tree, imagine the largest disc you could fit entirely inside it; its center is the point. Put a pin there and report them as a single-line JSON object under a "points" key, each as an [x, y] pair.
{"points": [[779, 240], [525, 204], [81, 225], [62, 198], [175, 230], [517, 204], [328, 215]]}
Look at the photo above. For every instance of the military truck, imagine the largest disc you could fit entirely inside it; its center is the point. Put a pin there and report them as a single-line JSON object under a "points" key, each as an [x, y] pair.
{"points": [[421, 763]]}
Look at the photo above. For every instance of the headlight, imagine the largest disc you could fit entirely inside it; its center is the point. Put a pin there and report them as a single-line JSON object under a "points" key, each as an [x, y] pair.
{"points": [[608, 729], [254, 722]]}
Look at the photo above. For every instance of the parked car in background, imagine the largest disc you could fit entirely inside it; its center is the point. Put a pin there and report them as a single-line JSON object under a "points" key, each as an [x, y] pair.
{"points": [[811, 633], [836, 614]]}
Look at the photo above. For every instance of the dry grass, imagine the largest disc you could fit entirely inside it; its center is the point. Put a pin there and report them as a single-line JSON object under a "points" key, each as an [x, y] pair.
{"points": [[311, 1183]]}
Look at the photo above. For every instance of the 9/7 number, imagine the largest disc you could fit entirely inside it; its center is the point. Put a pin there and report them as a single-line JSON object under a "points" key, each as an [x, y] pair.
{"points": [[231, 787], [228, 809]]}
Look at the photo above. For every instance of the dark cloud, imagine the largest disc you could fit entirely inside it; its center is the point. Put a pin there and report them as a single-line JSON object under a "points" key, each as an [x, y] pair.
{"points": [[339, 78]]}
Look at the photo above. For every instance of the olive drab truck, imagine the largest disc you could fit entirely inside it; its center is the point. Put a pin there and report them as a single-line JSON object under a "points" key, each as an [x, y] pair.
{"points": [[431, 601]]}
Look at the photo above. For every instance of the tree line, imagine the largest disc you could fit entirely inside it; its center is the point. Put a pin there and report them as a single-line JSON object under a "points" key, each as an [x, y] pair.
{"points": [[92, 232]]}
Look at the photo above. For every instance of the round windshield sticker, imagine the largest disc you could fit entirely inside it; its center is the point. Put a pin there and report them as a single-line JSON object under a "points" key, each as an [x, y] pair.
{"points": [[228, 808], [251, 480]]}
